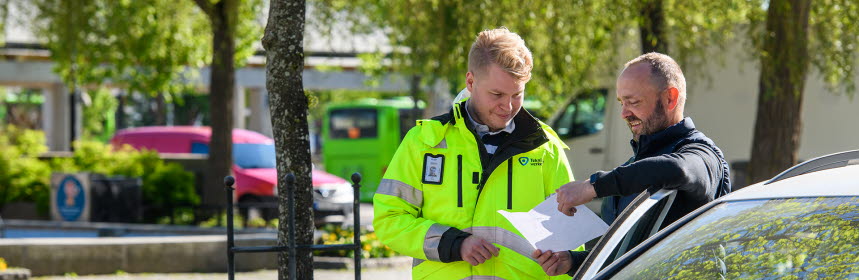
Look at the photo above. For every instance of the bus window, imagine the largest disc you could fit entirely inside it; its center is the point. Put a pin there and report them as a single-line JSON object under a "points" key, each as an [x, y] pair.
{"points": [[408, 117], [353, 123]]}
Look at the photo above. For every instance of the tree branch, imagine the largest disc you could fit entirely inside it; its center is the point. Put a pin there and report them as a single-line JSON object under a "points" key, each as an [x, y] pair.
{"points": [[206, 6]]}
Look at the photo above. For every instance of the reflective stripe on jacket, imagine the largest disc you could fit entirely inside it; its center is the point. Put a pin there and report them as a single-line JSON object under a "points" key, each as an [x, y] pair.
{"points": [[436, 184]]}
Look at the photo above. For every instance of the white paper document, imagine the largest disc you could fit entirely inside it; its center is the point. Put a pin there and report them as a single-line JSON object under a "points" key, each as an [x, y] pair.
{"points": [[546, 228]]}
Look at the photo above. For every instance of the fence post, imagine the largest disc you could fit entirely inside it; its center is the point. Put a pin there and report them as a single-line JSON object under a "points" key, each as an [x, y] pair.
{"points": [[231, 265], [356, 215]]}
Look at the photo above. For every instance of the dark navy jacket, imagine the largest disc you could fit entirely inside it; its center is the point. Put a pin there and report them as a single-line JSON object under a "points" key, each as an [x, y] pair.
{"points": [[679, 157]]}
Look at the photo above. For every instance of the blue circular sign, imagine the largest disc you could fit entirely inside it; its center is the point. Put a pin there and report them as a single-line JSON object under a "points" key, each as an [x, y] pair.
{"points": [[70, 198]]}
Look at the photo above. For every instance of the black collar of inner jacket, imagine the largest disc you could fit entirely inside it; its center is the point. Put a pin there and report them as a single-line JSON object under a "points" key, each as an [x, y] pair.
{"points": [[527, 135], [653, 143], [524, 133]]}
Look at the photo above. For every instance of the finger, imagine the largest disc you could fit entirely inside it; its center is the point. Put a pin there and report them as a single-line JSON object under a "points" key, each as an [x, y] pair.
{"points": [[553, 269], [536, 254], [475, 261], [492, 249], [548, 264], [563, 208], [546, 257], [483, 252], [542, 258], [478, 259]]}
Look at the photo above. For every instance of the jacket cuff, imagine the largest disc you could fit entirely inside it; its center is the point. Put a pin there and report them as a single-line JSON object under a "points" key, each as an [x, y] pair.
{"points": [[450, 244], [604, 184], [578, 258]]}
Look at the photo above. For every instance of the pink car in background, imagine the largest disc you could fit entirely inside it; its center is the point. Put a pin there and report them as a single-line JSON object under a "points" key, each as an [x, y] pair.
{"points": [[254, 166]]}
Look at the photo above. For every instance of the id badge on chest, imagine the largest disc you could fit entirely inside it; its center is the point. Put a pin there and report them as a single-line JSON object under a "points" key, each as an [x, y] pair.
{"points": [[433, 172]]}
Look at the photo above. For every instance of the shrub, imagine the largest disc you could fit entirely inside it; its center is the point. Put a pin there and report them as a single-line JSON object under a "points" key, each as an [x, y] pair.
{"points": [[165, 186], [372, 247], [23, 178]]}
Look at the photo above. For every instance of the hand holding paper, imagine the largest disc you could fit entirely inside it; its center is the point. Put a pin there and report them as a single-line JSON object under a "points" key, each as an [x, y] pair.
{"points": [[548, 229]]}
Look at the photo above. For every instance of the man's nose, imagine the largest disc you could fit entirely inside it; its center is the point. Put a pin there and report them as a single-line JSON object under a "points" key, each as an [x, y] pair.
{"points": [[506, 103], [625, 113]]}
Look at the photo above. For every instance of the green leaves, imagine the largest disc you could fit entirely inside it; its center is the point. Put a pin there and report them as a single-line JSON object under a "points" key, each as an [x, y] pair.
{"points": [[144, 46]]}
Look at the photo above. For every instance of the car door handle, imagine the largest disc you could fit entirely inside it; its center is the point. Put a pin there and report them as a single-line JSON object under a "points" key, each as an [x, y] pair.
{"points": [[595, 150]]}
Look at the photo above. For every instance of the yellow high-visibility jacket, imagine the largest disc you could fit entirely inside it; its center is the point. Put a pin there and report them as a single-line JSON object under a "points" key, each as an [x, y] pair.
{"points": [[437, 191]]}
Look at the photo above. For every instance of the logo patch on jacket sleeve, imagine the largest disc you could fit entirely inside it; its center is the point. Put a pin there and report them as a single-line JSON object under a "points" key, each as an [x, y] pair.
{"points": [[433, 172]]}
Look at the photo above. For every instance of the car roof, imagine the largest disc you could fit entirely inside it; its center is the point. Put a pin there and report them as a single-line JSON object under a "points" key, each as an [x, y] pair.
{"points": [[239, 135], [841, 181]]}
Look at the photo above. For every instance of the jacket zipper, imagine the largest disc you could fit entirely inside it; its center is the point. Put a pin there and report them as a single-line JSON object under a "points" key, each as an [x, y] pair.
{"points": [[509, 183], [459, 182]]}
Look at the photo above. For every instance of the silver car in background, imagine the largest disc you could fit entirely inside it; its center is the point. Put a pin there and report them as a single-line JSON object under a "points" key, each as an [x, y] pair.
{"points": [[801, 224]]}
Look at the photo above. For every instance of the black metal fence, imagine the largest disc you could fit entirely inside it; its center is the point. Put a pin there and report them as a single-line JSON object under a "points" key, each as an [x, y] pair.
{"points": [[291, 248]]}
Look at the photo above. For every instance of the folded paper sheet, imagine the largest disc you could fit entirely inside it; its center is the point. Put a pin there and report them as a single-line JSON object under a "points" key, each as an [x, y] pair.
{"points": [[546, 228]]}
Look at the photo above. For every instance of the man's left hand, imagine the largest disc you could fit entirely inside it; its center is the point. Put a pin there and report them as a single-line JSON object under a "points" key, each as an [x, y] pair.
{"points": [[573, 194], [553, 263]]}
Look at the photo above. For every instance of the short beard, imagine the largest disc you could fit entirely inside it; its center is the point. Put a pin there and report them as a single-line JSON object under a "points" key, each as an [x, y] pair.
{"points": [[658, 121]]}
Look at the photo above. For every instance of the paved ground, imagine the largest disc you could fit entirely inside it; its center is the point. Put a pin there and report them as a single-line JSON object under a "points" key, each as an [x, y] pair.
{"points": [[390, 274]]}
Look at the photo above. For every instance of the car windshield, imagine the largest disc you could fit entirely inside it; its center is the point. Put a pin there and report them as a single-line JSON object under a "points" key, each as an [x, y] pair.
{"points": [[795, 238], [254, 156]]}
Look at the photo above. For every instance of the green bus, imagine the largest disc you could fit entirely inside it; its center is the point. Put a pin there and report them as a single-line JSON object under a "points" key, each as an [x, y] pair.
{"points": [[362, 136]]}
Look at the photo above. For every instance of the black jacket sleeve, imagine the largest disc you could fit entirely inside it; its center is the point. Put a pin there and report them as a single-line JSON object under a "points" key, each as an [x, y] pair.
{"points": [[693, 168], [577, 258], [450, 244]]}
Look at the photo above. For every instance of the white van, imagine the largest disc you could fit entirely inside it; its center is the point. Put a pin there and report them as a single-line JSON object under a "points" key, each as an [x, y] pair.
{"points": [[723, 106]]}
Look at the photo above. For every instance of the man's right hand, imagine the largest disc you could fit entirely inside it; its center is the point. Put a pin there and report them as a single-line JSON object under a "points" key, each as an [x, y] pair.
{"points": [[475, 250]]}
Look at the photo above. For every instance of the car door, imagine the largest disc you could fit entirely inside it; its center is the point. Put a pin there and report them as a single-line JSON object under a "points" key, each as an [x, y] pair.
{"points": [[640, 220]]}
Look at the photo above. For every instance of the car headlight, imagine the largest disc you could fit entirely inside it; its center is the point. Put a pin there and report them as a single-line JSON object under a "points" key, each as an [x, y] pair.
{"points": [[336, 193]]}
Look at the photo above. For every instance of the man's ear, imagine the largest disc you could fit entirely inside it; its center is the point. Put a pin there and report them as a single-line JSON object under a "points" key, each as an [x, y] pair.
{"points": [[673, 98], [469, 81]]}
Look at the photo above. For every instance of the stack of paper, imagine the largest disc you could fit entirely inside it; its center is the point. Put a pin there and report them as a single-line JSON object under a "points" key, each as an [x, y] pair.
{"points": [[546, 228]]}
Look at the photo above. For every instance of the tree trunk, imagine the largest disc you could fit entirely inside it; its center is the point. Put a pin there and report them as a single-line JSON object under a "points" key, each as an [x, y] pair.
{"points": [[783, 69], [222, 87], [652, 27], [283, 42]]}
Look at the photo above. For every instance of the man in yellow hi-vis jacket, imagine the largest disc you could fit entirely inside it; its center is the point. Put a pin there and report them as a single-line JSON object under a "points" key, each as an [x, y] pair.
{"points": [[439, 199]]}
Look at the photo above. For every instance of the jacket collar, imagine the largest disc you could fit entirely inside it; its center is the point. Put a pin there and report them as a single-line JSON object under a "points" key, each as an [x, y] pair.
{"points": [[525, 124], [651, 143]]}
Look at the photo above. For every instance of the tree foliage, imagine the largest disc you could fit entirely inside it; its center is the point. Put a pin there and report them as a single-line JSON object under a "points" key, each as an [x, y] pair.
{"points": [[799, 36], [434, 37], [143, 46], [575, 43]]}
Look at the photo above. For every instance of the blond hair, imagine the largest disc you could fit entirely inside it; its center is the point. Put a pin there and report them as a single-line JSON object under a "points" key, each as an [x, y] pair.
{"points": [[504, 48]]}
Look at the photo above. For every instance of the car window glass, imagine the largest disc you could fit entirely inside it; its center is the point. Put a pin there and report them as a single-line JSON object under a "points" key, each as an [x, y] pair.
{"points": [[199, 148], [646, 226], [795, 238], [254, 155], [583, 116]]}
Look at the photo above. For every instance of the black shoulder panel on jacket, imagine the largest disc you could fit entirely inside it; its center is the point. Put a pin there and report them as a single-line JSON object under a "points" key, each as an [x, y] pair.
{"points": [[445, 118]]}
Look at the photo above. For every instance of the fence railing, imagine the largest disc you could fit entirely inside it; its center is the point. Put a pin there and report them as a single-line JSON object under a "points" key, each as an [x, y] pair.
{"points": [[291, 248]]}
